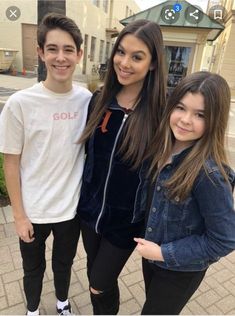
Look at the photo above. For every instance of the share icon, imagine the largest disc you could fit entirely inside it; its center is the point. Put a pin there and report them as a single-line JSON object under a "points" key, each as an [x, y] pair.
{"points": [[193, 15]]}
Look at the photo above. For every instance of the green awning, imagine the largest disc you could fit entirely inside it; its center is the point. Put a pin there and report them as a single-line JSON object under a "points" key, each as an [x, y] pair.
{"points": [[154, 14]]}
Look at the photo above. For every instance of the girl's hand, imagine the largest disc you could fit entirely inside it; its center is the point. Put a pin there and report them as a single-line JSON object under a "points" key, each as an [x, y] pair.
{"points": [[148, 249]]}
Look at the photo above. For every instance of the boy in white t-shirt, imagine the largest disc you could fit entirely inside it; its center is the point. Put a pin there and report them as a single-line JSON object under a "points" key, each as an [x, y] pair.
{"points": [[43, 161]]}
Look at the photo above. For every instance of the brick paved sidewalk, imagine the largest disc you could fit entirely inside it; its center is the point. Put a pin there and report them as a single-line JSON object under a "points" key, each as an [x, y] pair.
{"points": [[216, 294]]}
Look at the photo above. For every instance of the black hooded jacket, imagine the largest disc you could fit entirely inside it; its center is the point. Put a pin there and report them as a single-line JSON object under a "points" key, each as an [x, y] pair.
{"points": [[111, 189]]}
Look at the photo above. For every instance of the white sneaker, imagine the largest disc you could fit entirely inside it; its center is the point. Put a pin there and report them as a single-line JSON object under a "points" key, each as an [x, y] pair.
{"points": [[67, 310]]}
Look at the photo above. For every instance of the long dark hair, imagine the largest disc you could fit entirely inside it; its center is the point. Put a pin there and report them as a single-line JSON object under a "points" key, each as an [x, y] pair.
{"points": [[216, 94], [146, 117]]}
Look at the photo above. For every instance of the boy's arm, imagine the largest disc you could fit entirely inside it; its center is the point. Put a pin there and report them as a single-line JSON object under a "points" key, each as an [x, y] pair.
{"points": [[24, 227]]}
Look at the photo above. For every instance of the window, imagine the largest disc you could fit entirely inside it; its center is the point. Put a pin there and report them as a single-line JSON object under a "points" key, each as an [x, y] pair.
{"points": [[105, 5], [92, 52], [96, 2], [8, 53], [107, 51], [177, 59], [101, 51]]}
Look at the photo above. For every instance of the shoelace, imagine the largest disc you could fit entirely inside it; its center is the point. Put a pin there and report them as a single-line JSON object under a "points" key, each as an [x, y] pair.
{"points": [[65, 311]]}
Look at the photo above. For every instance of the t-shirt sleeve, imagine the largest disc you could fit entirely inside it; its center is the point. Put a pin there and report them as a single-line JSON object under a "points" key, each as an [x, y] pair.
{"points": [[11, 128]]}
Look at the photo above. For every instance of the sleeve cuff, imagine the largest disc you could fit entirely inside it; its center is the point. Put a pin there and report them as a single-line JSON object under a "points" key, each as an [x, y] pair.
{"points": [[169, 255]]}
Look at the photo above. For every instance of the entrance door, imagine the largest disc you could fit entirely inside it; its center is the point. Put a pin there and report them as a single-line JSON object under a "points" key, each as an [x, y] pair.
{"points": [[179, 61], [29, 37]]}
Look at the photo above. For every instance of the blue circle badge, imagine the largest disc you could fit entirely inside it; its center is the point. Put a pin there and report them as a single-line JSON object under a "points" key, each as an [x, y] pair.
{"points": [[177, 7]]}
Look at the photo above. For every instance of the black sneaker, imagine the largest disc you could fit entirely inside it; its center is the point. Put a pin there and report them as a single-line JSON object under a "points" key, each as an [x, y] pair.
{"points": [[67, 310]]}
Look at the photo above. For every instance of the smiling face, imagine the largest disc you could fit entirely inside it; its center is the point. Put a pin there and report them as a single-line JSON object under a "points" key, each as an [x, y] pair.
{"points": [[132, 61], [187, 120], [60, 56]]}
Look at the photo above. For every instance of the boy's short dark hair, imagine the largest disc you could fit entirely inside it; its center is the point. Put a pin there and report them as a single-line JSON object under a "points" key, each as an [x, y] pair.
{"points": [[53, 21]]}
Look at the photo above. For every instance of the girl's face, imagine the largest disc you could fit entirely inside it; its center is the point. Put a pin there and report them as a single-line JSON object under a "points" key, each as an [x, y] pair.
{"points": [[132, 61], [187, 120]]}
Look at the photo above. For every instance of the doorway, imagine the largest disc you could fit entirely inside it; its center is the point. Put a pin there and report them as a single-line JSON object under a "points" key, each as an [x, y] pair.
{"points": [[179, 64], [29, 46]]}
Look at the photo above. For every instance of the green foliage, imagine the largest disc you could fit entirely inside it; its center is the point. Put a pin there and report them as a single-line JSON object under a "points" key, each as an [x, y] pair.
{"points": [[3, 190]]}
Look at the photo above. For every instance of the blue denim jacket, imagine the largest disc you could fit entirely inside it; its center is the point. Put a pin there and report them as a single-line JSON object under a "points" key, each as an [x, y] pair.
{"points": [[198, 231]]}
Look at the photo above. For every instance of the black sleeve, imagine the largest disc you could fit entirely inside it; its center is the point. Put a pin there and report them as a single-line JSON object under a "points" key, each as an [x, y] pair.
{"points": [[90, 109], [92, 103]]}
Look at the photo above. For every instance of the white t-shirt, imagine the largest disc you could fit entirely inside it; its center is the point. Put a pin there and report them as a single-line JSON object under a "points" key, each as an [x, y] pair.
{"points": [[44, 127]]}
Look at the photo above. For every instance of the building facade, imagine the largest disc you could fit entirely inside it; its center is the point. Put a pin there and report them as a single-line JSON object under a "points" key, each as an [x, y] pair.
{"points": [[219, 55], [98, 21]]}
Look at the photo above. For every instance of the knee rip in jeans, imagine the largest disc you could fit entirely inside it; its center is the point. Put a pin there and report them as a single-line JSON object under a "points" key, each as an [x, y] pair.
{"points": [[94, 291]]}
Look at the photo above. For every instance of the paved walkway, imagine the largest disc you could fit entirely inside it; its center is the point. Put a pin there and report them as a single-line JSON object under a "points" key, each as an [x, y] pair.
{"points": [[216, 295]]}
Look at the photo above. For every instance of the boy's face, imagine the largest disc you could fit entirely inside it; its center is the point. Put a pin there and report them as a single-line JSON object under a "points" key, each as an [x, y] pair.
{"points": [[60, 56]]}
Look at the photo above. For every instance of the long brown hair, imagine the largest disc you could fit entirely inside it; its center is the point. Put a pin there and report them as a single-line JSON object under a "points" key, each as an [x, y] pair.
{"points": [[145, 119], [216, 93]]}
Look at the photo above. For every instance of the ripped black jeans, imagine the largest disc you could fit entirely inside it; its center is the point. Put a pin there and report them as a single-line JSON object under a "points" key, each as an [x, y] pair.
{"points": [[104, 264]]}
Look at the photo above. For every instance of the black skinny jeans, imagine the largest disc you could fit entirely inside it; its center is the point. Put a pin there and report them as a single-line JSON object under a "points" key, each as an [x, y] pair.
{"points": [[66, 235], [104, 264], [167, 292]]}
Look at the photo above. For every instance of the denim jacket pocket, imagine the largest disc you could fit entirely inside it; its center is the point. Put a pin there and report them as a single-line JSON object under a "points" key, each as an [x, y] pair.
{"points": [[176, 217]]}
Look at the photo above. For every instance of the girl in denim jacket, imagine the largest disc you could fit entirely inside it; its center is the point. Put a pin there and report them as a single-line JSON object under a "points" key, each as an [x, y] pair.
{"points": [[191, 220]]}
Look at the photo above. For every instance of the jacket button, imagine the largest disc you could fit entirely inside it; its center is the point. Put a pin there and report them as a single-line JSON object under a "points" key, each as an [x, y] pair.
{"points": [[158, 188], [177, 199], [154, 209], [149, 229]]}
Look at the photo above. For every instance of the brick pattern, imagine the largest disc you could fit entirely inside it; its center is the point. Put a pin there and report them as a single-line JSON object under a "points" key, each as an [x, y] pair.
{"points": [[215, 296]]}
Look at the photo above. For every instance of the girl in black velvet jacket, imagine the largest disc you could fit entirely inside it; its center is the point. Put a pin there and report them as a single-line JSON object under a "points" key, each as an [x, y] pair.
{"points": [[123, 117]]}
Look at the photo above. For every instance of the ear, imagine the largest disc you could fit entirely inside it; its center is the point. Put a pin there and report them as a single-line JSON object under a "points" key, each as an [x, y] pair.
{"points": [[79, 55], [40, 53]]}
